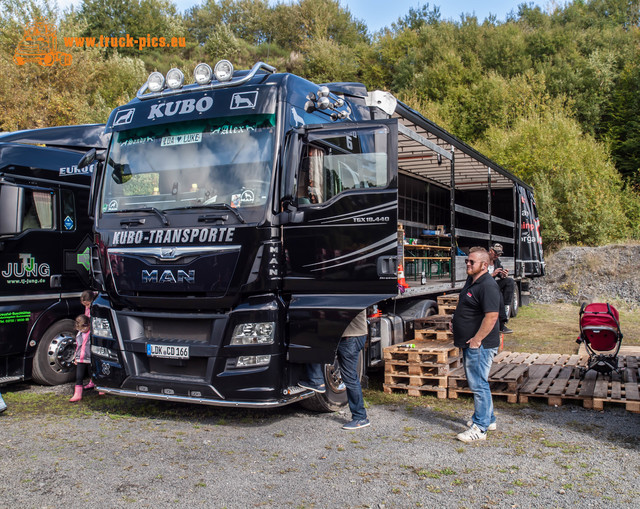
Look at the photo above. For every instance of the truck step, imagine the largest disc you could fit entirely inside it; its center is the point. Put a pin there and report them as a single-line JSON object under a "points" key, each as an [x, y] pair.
{"points": [[8, 379]]}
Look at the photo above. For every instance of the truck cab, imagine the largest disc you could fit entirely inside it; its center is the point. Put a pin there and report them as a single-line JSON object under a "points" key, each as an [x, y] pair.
{"points": [[45, 239]]}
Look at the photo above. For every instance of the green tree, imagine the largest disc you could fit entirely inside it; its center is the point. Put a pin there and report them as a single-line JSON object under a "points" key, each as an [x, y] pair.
{"points": [[578, 189]]}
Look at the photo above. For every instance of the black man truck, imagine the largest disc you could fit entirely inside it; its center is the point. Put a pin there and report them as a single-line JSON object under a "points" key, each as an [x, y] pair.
{"points": [[242, 221], [45, 238]]}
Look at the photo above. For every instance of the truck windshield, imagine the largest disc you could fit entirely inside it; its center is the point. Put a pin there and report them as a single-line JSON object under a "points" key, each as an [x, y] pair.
{"points": [[210, 163]]}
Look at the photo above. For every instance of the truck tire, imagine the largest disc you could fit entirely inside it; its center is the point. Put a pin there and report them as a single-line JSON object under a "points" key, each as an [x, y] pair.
{"points": [[515, 302], [53, 362], [336, 396]]}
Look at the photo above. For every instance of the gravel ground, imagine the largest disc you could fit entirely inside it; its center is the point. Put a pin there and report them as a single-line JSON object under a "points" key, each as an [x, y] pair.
{"points": [[540, 456]]}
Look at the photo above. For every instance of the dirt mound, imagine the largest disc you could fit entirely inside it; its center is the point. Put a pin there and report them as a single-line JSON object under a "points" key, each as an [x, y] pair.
{"points": [[607, 273]]}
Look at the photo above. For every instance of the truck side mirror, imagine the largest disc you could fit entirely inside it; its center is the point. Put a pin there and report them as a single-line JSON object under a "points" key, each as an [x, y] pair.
{"points": [[88, 158], [11, 205]]}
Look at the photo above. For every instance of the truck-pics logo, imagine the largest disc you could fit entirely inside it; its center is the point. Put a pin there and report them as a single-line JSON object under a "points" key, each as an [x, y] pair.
{"points": [[26, 271], [39, 44], [243, 100]]}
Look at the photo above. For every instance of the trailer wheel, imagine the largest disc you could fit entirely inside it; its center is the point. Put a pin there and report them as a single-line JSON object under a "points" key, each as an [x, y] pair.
{"points": [[515, 302], [336, 396], [53, 362]]}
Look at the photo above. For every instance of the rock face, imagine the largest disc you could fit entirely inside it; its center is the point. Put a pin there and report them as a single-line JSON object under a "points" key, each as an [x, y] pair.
{"points": [[599, 274]]}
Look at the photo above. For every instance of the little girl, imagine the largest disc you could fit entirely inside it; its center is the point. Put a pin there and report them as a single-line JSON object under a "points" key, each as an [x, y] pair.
{"points": [[87, 298], [83, 354]]}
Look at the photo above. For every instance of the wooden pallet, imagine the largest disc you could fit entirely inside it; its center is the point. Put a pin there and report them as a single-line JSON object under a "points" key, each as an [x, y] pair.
{"points": [[497, 389], [441, 392], [449, 298], [446, 309], [619, 388], [422, 369], [433, 335], [504, 380], [538, 359], [422, 352], [556, 383], [416, 380], [433, 322]]}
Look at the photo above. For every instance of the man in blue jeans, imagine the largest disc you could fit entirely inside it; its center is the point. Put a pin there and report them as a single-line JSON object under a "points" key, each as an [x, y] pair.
{"points": [[476, 330], [351, 342]]}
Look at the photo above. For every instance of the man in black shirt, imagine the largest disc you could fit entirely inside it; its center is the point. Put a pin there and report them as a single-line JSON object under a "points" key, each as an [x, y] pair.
{"points": [[476, 331], [506, 284]]}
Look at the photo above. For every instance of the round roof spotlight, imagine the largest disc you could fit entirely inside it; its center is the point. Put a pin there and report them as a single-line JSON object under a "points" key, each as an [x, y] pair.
{"points": [[175, 78], [323, 103], [323, 91], [203, 74], [223, 70], [155, 82]]}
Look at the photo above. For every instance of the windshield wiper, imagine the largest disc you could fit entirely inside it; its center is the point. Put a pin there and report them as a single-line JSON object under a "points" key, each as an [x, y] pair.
{"points": [[158, 212], [224, 206]]}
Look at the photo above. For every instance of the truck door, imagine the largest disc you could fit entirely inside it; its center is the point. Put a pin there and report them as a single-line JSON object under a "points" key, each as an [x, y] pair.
{"points": [[30, 260], [340, 242]]}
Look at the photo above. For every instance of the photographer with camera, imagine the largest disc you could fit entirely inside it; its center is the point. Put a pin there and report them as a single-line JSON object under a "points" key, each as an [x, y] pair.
{"points": [[506, 284]]}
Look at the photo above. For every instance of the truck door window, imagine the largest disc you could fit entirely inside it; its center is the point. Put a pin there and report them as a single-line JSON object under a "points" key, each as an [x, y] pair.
{"points": [[341, 161], [37, 212]]}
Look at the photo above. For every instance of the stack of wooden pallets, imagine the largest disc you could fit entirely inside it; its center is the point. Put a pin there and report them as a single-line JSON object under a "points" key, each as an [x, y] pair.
{"points": [[420, 367], [447, 303], [437, 327]]}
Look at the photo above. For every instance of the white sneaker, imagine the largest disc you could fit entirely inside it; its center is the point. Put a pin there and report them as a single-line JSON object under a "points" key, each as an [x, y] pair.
{"points": [[492, 426], [472, 434]]}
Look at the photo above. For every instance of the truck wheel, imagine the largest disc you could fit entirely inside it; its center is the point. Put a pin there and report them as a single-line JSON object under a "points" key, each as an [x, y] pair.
{"points": [[336, 396], [53, 362], [515, 302]]}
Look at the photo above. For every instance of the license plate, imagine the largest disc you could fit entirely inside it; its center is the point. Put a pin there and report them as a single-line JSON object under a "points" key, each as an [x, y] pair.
{"points": [[168, 351]]}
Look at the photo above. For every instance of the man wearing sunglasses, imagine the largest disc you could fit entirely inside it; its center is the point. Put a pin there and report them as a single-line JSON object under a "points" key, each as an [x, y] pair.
{"points": [[476, 330]]}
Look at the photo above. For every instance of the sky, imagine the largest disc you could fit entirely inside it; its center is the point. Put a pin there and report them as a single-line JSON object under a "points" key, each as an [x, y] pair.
{"points": [[377, 14]]}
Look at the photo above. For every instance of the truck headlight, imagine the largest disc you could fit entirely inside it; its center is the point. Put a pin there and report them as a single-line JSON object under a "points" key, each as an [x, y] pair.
{"points": [[203, 74], [223, 70], [101, 327], [247, 361], [175, 78], [155, 82], [101, 351], [260, 333]]}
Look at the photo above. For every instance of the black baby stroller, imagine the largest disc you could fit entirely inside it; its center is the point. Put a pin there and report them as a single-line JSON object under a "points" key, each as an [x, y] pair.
{"points": [[601, 335]]}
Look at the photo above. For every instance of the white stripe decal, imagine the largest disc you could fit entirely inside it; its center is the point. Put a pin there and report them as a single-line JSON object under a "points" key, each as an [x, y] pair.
{"points": [[358, 213], [390, 239], [379, 251]]}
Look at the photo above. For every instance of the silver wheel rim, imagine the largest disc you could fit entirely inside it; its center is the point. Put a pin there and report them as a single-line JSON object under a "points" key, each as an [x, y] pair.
{"points": [[61, 352]]}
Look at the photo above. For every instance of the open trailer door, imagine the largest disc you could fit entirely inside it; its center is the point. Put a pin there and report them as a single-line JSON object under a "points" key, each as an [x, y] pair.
{"points": [[529, 259]]}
